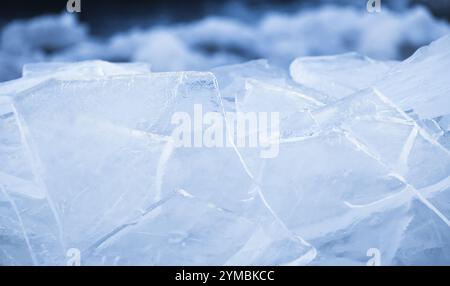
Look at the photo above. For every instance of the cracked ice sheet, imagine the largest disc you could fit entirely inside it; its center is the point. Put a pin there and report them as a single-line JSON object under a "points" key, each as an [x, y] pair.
{"points": [[444, 140], [29, 233], [15, 171], [83, 70], [233, 81], [406, 234], [94, 148], [340, 75], [416, 159], [420, 83], [186, 230], [384, 180], [259, 93], [439, 128], [373, 120], [34, 74], [76, 121], [28, 230], [444, 122]]}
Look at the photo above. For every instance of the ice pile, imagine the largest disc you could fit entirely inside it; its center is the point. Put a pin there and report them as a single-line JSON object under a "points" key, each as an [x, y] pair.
{"points": [[87, 162]]}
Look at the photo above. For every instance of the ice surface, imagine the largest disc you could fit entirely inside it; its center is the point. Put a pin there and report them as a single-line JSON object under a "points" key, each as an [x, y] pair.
{"points": [[16, 171], [189, 231], [34, 74], [106, 166], [411, 84], [112, 129], [234, 82], [338, 76], [88, 69], [387, 191], [364, 158], [424, 84], [88, 161]]}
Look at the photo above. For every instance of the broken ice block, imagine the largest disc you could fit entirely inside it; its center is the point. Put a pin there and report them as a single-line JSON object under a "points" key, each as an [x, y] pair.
{"points": [[29, 233], [345, 173], [374, 120], [97, 144], [444, 122], [214, 175], [86, 70], [261, 96], [444, 140], [420, 83], [34, 74], [439, 129], [186, 230], [232, 80], [338, 76], [407, 233], [17, 172], [88, 161], [257, 69], [291, 106], [107, 162]]}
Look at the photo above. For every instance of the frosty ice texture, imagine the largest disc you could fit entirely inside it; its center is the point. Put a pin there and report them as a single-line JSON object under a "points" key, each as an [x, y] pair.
{"points": [[339, 75], [107, 170], [87, 161]]}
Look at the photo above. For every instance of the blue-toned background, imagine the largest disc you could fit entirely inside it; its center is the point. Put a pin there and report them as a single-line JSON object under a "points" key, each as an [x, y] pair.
{"points": [[200, 34]]}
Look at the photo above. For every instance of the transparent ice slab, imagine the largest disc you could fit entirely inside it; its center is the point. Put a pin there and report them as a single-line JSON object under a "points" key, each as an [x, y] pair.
{"points": [[186, 230], [86, 69], [366, 160], [34, 74], [103, 153], [87, 161], [420, 83], [233, 79], [94, 148], [262, 96], [340, 75], [16, 170]]}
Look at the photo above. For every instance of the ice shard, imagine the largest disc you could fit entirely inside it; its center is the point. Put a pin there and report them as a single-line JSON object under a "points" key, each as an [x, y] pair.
{"points": [[420, 83], [34, 74], [417, 84], [95, 149], [345, 175], [16, 170], [105, 160], [340, 75], [86, 69], [186, 230], [233, 79]]}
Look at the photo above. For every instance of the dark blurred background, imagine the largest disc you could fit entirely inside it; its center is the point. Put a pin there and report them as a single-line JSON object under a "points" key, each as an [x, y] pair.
{"points": [[108, 16], [173, 35]]}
